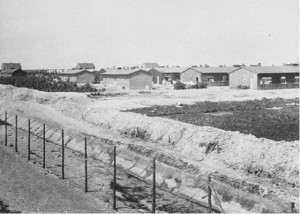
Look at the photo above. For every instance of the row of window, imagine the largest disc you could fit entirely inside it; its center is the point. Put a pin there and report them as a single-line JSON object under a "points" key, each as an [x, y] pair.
{"points": [[211, 79], [268, 80]]}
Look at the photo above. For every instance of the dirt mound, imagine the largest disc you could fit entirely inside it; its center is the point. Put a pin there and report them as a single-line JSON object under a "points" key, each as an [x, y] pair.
{"points": [[257, 156]]}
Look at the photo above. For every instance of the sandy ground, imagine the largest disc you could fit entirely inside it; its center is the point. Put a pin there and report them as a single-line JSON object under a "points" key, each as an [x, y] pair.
{"points": [[27, 187], [102, 118]]}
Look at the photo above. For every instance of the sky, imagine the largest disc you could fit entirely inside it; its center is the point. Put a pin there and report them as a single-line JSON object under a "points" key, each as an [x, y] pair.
{"points": [[61, 33]]}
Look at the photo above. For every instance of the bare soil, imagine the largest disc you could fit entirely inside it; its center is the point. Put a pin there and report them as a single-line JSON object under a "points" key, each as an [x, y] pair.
{"points": [[267, 118], [34, 189]]}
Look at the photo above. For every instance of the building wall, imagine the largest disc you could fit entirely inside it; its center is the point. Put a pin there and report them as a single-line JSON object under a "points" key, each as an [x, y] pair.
{"points": [[5, 75], [18, 73], [242, 77], [84, 78], [157, 76], [121, 81], [81, 78], [68, 78], [140, 81], [218, 79], [290, 81], [190, 75]]}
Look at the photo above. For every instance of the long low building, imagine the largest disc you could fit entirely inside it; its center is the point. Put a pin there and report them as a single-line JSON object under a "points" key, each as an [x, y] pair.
{"points": [[265, 77], [12, 70], [77, 76], [128, 78], [212, 76], [170, 74]]}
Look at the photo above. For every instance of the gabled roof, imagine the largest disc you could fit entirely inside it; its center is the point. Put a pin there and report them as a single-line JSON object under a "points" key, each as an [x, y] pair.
{"points": [[74, 71], [272, 69], [122, 72], [172, 70], [85, 66], [10, 65], [150, 65], [215, 69]]}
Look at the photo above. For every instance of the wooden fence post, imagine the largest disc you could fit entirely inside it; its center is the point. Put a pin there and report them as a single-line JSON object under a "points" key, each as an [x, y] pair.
{"points": [[85, 165], [44, 146], [209, 194], [293, 207], [62, 155], [28, 140], [154, 187], [6, 128], [115, 180], [16, 136]]}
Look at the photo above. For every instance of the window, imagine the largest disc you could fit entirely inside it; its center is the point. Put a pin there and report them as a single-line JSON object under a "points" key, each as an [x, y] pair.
{"points": [[210, 79], [296, 80], [266, 80], [283, 80]]}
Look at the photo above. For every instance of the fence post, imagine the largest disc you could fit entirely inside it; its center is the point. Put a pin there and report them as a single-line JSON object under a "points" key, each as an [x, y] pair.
{"points": [[16, 132], [28, 139], [62, 155], [115, 180], [209, 194], [44, 146], [293, 207], [85, 165], [6, 128], [154, 187]]}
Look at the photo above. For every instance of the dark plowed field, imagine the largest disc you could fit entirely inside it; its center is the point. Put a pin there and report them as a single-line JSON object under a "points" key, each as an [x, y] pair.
{"points": [[276, 119]]}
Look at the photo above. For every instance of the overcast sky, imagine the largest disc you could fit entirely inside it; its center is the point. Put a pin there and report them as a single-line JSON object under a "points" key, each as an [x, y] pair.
{"points": [[61, 33]]}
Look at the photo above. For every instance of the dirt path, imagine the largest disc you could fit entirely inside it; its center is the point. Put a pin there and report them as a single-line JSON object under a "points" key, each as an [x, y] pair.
{"points": [[26, 187]]}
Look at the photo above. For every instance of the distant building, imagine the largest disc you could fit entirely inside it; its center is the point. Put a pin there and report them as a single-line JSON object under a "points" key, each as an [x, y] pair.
{"points": [[10, 65], [265, 77], [291, 64], [13, 73], [77, 76], [257, 65], [86, 66], [150, 65], [171, 74], [157, 76], [212, 76], [128, 79], [12, 70]]}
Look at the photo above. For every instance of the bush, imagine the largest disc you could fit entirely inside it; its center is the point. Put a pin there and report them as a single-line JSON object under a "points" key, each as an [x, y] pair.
{"points": [[199, 85], [47, 83], [243, 87], [179, 86]]}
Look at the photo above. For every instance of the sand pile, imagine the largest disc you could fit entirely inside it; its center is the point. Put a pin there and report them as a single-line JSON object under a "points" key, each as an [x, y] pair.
{"points": [[261, 157]]}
